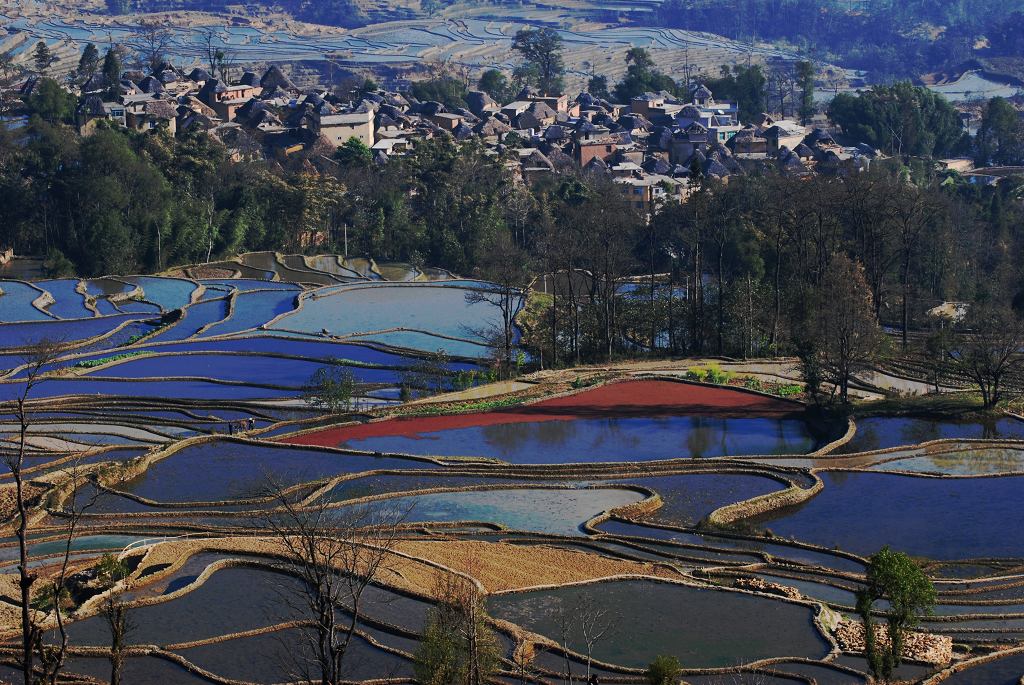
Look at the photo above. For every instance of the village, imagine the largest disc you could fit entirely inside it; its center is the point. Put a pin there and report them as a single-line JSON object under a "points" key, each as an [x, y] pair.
{"points": [[654, 147]]}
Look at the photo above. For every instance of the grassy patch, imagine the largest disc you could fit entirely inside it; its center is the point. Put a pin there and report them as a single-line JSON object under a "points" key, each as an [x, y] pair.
{"points": [[93, 363]]}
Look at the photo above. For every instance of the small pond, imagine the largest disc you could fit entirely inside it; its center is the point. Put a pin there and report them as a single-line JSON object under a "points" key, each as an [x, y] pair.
{"points": [[540, 510], [938, 518], [710, 628], [973, 462]]}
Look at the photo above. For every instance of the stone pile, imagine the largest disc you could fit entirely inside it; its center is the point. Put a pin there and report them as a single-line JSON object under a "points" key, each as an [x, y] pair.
{"points": [[761, 585], [927, 647]]}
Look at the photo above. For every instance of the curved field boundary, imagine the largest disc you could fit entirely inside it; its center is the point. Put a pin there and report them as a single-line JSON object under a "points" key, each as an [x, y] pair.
{"points": [[732, 535], [968, 663], [851, 430], [151, 354], [922, 447], [85, 341], [763, 504], [307, 260], [43, 300]]}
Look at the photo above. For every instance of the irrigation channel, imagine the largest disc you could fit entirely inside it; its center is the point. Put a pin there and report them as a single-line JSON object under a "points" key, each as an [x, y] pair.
{"points": [[723, 526]]}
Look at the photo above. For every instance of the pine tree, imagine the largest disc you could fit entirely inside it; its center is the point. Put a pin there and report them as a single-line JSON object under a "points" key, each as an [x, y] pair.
{"points": [[42, 57], [112, 67], [88, 63]]}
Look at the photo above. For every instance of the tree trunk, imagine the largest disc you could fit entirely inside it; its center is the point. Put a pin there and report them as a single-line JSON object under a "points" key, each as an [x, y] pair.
{"points": [[25, 578], [777, 304], [721, 295]]}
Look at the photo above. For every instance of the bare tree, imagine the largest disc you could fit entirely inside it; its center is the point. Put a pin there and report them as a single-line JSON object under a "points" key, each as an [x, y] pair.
{"points": [[216, 54], [151, 41], [116, 615], [111, 571], [209, 42], [35, 360], [841, 336], [586, 619], [54, 593], [988, 351], [337, 553], [594, 623], [506, 266]]}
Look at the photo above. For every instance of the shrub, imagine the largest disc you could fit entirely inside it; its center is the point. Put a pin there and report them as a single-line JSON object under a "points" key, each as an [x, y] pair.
{"points": [[751, 383], [664, 670], [712, 373], [715, 375], [93, 363]]}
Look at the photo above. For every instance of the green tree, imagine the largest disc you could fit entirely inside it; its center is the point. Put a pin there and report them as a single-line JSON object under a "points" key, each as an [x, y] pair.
{"points": [[805, 80], [901, 119], [1001, 134], [88, 63], [448, 90], [369, 86], [57, 265], [743, 85], [331, 389], [320, 199], [894, 577], [110, 200], [541, 50], [597, 86], [42, 57], [641, 77], [354, 153], [458, 647], [51, 102], [664, 670], [112, 66], [494, 83]]}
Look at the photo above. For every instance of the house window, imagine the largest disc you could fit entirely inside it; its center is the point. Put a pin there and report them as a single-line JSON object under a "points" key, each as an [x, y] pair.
{"points": [[638, 191], [607, 148]]}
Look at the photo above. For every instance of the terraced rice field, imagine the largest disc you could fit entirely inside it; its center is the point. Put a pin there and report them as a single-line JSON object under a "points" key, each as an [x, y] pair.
{"points": [[182, 398], [477, 37]]}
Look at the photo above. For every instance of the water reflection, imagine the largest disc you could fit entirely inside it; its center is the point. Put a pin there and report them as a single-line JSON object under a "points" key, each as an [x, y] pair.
{"points": [[880, 432], [605, 439]]}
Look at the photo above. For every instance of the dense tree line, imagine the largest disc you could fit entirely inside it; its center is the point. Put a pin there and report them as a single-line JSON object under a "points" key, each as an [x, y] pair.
{"points": [[901, 119], [734, 270], [752, 257]]}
